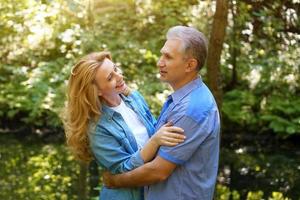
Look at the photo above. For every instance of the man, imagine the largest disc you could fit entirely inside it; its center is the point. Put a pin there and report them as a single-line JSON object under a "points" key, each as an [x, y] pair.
{"points": [[187, 171]]}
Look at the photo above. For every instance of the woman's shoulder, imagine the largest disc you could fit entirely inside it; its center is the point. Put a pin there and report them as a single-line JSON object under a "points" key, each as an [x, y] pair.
{"points": [[136, 96]]}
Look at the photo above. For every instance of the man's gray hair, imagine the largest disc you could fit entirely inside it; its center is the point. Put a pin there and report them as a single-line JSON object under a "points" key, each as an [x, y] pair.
{"points": [[195, 43]]}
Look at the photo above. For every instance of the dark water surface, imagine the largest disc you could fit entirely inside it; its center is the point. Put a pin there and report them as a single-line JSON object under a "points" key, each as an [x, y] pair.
{"points": [[38, 170]]}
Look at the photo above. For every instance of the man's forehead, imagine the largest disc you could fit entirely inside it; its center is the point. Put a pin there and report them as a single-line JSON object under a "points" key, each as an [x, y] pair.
{"points": [[171, 45]]}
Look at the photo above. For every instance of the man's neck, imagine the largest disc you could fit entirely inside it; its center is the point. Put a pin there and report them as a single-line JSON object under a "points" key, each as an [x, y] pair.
{"points": [[182, 83]]}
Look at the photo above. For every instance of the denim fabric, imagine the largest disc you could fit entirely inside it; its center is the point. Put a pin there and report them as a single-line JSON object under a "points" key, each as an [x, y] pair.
{"points": [[115, 148]]}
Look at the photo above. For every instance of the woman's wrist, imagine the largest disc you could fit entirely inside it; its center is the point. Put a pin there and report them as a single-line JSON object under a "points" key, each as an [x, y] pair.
{"points": [[154, 141]]}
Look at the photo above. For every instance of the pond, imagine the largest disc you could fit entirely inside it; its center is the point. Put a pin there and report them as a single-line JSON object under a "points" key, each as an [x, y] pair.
{"points": [[37, 170]]}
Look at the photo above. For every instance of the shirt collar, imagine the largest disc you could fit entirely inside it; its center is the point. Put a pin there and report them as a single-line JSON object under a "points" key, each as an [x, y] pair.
{"points": [[110, 112], [186, 89]]}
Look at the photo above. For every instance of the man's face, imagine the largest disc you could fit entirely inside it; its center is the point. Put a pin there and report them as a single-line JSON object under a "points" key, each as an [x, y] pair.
{"points": [[172, 63]]}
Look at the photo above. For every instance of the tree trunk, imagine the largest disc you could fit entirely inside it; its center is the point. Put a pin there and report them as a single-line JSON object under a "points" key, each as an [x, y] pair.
{"points": [[82, 181], [233, 48], [94, 180], [215, 49]]}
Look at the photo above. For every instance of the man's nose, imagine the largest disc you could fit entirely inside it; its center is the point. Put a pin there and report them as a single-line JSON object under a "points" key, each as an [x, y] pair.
{"points": [[160, 62]]}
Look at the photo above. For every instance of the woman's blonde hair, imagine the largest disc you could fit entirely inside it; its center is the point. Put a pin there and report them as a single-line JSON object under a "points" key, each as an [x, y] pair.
{"points": [[83, 104]]}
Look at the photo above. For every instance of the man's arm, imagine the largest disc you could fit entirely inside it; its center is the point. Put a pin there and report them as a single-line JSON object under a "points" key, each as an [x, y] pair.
{"points": [[152, 172]]}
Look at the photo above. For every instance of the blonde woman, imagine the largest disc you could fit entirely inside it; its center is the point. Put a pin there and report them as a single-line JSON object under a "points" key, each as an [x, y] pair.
{"points": [[108, 123]]}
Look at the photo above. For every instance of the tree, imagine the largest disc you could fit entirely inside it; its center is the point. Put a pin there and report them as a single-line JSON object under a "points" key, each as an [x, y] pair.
{"points": [[215, 49]]}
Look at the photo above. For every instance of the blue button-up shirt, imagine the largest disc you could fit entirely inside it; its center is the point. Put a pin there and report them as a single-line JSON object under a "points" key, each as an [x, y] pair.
{"points": [[115, 148], [194, 109]]}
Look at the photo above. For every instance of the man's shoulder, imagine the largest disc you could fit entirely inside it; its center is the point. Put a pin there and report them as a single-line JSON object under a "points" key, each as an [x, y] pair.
{"points": [[200, 104]]}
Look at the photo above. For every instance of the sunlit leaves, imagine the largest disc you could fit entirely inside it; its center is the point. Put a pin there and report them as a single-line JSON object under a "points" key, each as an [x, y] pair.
{"points": [[31, 171]]}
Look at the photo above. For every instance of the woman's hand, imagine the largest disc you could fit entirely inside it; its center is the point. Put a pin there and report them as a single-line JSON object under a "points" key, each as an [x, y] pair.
{"points": [[168, 135]]}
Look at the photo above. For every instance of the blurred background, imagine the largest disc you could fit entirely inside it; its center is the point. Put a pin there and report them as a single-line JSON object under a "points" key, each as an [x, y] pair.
{"points": [[253, 70]]}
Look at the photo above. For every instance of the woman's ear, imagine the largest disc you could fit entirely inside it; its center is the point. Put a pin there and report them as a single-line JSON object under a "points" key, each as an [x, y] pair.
{"points": [[192, 65], [98, 91]]}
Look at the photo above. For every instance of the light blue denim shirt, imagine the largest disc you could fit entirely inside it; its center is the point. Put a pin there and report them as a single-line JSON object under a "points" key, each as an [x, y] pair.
{"points": [[114, 145], [194, 109]]}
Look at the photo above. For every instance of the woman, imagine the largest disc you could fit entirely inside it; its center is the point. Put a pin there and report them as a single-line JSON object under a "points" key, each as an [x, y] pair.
{"points": [[115, 129]]}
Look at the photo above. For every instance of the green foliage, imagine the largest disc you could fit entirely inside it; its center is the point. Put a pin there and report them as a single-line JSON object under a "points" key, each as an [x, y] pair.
{"points": [[37, 62], [255, 195], [238, 106], [56, 33], [40, 40], [282, 115], [224, 193], [261, 66], [275, 112], [37, 172]]}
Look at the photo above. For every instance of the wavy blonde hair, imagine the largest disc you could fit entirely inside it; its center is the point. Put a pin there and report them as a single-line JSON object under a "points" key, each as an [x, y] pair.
{"points": [[83, 104]]}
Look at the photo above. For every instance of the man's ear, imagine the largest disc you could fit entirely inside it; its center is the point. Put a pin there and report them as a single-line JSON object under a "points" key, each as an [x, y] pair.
{"points": [[191, 65]]}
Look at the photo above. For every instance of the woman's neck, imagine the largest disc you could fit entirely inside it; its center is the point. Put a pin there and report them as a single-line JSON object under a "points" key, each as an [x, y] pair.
{"points": [[112, 101]]}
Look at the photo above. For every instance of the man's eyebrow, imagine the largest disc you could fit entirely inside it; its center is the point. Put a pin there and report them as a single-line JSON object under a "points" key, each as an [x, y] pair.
{"points": [[164, 52]]}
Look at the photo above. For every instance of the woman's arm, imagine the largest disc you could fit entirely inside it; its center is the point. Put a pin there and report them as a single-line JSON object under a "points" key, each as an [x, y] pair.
{"points": [[167, 135], [110, 151]]}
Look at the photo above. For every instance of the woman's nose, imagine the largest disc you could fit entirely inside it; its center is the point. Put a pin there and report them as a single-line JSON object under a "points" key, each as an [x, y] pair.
{"points": [[119, 75]]}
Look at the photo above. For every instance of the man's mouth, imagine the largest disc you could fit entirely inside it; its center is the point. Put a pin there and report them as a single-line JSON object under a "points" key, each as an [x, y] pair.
{"points": [[162, 72]]}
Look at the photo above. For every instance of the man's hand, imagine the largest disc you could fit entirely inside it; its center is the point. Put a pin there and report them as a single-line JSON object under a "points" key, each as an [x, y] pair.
{"points": [[108, 180]]}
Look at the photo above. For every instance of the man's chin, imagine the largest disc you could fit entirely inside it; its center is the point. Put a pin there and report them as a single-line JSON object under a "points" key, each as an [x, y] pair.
{"points": [[163, 79]]}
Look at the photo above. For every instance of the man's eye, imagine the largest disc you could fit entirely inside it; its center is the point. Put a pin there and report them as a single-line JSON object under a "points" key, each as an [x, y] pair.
{"points": [[167, 56]]}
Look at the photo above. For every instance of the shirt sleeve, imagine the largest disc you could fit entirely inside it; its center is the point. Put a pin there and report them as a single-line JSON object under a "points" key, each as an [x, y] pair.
{"points": [[110, 152], [195, 133]]}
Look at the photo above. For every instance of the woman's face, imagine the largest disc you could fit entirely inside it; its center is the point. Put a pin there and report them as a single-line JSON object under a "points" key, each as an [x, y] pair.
{"points": [[109, 80]]}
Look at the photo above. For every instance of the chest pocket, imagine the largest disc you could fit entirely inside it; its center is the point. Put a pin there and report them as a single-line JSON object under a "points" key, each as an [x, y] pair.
{"points": [[119, 129]]}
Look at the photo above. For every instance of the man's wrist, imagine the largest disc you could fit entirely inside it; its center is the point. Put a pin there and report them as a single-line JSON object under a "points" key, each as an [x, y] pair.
{"points": [[116, 184]]}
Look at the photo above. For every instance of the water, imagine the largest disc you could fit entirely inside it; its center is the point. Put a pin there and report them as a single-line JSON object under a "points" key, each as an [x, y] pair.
{"points": [[271, 170], [33, 170]]}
